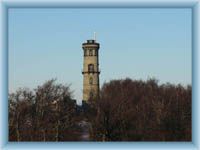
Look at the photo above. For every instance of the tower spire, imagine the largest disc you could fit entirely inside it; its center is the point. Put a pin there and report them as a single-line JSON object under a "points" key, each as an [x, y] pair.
{"points": [[95, 36]]}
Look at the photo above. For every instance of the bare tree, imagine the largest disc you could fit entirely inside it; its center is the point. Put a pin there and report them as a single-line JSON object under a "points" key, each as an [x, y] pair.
{"points": [[144, 111], [20, 113], [41, 115]]}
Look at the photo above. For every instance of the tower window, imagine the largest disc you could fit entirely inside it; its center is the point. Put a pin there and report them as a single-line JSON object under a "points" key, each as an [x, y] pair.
{"points": [[91, 80], [91, 94], [96, 52], [90, 68], [85, 52], [90, 52]]}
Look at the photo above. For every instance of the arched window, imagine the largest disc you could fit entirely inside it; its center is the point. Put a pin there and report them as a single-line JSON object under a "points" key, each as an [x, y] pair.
{"points": [[90, 52], [91, 94], [96, 52], [85, 52], [90, 68], [91, 80]]}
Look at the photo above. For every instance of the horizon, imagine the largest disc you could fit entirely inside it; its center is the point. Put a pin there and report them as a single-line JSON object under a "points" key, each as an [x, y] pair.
{"points": [[155, 43]]}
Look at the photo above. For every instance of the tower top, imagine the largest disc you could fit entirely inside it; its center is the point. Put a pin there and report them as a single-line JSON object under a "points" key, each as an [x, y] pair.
{"points": [[90, 43]]}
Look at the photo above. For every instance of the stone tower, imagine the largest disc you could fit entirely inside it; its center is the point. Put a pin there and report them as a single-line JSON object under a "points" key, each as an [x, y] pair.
{"points": [[90, 70]]}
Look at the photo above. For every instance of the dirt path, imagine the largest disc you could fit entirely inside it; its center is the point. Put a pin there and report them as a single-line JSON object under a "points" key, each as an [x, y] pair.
{"points": [[85, 130]]}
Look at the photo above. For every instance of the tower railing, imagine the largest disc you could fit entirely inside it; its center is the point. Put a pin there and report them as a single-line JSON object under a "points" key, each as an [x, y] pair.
{"points": [[91, 71]]}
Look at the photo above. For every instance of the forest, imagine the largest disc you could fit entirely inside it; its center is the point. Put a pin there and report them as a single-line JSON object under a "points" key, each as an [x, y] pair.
{"points": [[126, 110]]}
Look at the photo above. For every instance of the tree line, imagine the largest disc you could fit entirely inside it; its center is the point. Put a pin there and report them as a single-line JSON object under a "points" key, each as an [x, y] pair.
{"points": [[126, 110], [41, 115], [132, 110]]}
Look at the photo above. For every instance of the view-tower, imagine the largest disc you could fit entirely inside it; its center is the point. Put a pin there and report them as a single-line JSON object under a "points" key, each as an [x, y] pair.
{"points": [[90, 70]]}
